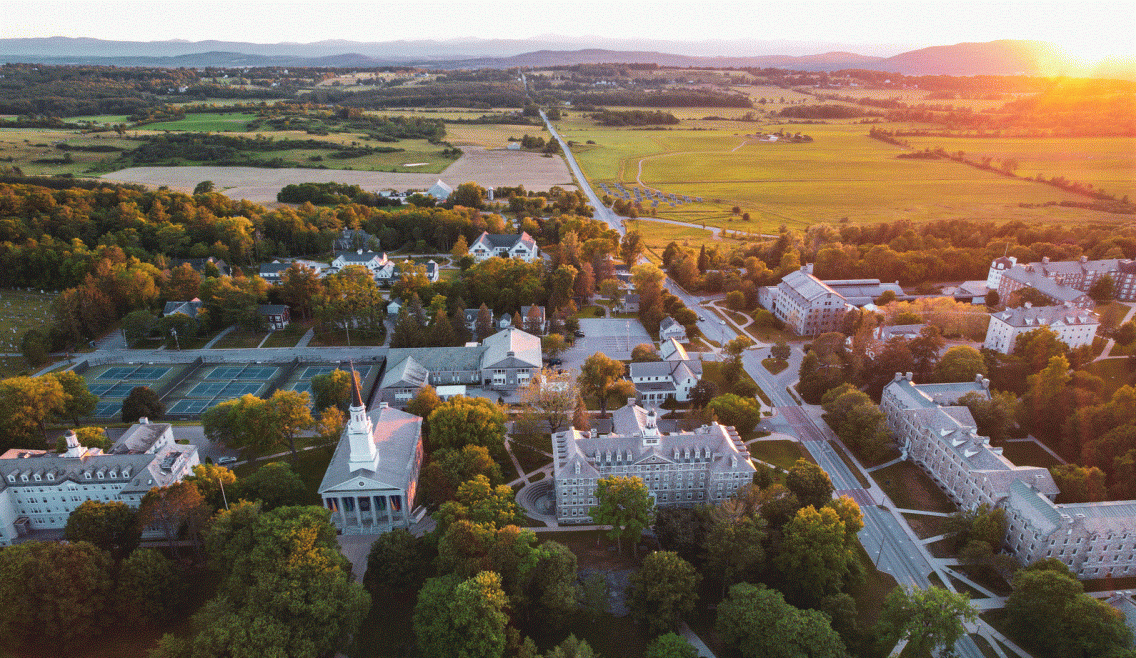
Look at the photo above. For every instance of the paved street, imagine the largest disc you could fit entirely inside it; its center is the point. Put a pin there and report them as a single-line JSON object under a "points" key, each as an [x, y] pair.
{"points": [[602, 212]]}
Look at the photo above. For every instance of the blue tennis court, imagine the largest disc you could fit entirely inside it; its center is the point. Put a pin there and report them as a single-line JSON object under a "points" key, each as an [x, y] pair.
{"points": [[206, 390], [257, 372], [147, 373], [117, 372], [227, 373], [108, 408], [312, 371], [237, 389], [302, 387], [118, 391], [190, 406], [99, 389]]}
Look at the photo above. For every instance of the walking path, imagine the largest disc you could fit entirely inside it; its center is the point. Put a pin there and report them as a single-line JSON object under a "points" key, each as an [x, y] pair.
{"points": [[695, 641], [224, 332], [891, 463], [920, 511], [1107, 351]]}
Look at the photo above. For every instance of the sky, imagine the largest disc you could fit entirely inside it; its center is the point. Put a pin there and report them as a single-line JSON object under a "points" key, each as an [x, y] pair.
{"points": [[1087, 30]]}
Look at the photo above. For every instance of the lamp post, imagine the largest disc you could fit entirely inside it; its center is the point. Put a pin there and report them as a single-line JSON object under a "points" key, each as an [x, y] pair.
{"points": [[174, 333]]}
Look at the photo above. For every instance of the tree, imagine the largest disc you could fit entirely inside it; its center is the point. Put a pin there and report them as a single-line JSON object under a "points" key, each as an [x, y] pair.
{"points": [[993, 415], [461, 248], [424, 402], [547, 401], [992, 299], [733, 410], [702, 393], [26, 403], [291, 413], [553, 345], [470, 195], [466, 421], [758, 623], [631, 247], [112, 526], [816, 552], [299, 287], [780, 350], [599, 376], [35, 346], [285, 588], [142, 402], [330, 425], [462, 619], [251, 422], [204, 187], [670, 645], [275, 485], [397, 560], [448, 469], [809, 483], [484, 326], [645, 352], [960, 363], [625, 504], [214, 482], [581, 420], [1103, 289], [62, 590], [149, 585], [479, 502], [89, 437], [929, 619], [1079, 484], [170, 508], [734, 549], [663, 591], [78, 401], [981, 523], [138, 325], [1046, 404]]}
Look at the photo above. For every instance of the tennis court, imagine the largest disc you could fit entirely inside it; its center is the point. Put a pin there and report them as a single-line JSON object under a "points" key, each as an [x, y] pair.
{"points": [[250, 372], [112, 384], [213, 384], [301, 378]]}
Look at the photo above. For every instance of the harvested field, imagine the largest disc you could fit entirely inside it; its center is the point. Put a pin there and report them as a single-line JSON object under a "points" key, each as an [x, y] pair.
{"points": [[489, 168]]}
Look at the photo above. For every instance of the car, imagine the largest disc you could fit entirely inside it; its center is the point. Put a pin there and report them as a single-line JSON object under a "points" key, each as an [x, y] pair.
{"points": [[226, 460], [701, 319], [578, 333], [555, 361]]}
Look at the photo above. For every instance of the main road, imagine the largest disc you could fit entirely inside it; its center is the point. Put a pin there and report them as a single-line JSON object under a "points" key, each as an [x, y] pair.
{"points": [[602, 212]]}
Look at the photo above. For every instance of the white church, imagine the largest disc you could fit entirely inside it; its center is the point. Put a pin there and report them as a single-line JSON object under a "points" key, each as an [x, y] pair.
{"points": [[370, 484]]}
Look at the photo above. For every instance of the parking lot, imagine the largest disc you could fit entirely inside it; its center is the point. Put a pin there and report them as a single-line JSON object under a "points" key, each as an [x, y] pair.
{"points": [[615, 338]]}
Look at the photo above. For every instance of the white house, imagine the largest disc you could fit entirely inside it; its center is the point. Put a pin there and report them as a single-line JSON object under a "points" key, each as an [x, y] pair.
{"points": [[372, 260], [655, 381], [40, 489], [372, 479], [670, 328], [1074, 326], [504, 245]]}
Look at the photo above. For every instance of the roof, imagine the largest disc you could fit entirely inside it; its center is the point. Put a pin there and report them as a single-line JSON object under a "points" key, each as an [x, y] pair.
{"points": [[140, 438], [440, 359], [859, 292], [273, 268], [440, 190], [1036, 316], [271, 309], [525, 350], [1030, 503], [1030, 276], [805, 286], [361, 257], [189, 308], [407, 373], [913, 396], [396, 435], [672, 350], [676, 370], [669, 323], [144, 470]]}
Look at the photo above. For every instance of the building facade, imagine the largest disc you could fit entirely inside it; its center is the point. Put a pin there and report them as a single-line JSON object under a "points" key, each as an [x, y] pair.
{"points": [[806, 304], [656, 381], [1080, 274], [504, 245], [371, 482], [699, 467], [1095, 540], [1074, 326], [40, 489], [1021, 277]]}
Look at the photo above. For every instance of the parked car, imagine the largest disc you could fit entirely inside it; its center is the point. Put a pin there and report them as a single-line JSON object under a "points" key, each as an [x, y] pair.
{"points": [[555, 361], [226, 460], [579, 333], [701, 319]]}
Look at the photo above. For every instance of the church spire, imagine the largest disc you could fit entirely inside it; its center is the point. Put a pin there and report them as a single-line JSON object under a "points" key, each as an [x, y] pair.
{"points": [[359, 430]]}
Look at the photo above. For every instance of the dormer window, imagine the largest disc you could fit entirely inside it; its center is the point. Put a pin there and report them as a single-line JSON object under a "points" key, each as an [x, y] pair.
{"points": [[113, 473], [37, 478], [126, 472], [87, 475], [11, 477], [101, 475], [51, 476]]}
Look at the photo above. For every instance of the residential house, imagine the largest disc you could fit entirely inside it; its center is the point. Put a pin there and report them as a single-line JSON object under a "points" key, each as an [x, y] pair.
{"points": [[433, 273], [203, 265], [273, 272], [40, 489], [657, 381], [670, 328], [504, 245], [535, 319], [685, 468], [352, 240], [371, 260], [672, 350], [1075, 327], [276, 316], [372, 480], [629, 303], [190, 308]]}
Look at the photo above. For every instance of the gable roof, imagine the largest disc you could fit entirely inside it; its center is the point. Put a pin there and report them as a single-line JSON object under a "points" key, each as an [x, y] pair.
{"points": [[1036, 316], [407, 373], [396, 435], [189, 308], [524, 346]]}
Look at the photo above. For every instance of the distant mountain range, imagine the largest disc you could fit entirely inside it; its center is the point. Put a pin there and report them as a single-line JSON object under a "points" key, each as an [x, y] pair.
{"points": [[1005, 57]]}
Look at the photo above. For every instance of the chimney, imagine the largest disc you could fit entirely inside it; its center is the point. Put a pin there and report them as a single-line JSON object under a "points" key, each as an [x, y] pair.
{"points": [[1084, 259], [978, 378], [359, 251], [143, 421], [630, 402], [1029, 304], [908, 376]]}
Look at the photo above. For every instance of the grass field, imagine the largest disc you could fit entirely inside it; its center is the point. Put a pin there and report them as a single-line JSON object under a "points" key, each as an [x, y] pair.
{"points": [[207, 123], [911, 488], [19, 311], [779, 453], [842, 174], [1028, 453], [657, 235], [1105, 162]]}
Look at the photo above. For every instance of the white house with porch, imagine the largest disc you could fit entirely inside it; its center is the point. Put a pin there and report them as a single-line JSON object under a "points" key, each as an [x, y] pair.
{"points": [[370, 484]]}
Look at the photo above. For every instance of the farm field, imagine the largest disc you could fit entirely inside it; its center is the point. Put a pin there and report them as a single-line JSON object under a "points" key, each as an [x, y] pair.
{"points": [[1106, 162], [657, 235], [205, 123], [842, 174]]}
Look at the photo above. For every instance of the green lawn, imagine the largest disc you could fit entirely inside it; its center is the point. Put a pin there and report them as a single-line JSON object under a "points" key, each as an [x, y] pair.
{"points": [[206, 123], [1115, 373], [779, 453], [910, 488], [1112, 313], [287, 337], [926, 525], [1028, 453], [775, 366], [309, 464], [240, 338]]}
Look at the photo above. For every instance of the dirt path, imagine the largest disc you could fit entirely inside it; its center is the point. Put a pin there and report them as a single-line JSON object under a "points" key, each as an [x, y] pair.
{"points": [[487, 167]]}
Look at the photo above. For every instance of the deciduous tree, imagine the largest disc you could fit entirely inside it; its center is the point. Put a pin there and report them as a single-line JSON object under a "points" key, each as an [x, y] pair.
{"points": [[758, 623], [663, 591], [931, 620], [112, 526], [625, 504]]}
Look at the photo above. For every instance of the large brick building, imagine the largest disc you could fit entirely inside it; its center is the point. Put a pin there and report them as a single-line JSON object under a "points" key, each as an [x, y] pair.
{"points": [[1071, 275]]}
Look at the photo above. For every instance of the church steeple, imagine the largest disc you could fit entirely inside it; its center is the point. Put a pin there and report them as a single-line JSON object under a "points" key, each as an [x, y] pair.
{"points": [[359, 430]]}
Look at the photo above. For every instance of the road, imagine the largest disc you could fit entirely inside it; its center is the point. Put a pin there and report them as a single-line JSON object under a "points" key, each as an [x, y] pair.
{"points": [[602, 212]]}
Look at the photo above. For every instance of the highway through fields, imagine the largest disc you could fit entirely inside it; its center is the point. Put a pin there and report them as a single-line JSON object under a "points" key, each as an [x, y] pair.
{"points": [[602, 212]]}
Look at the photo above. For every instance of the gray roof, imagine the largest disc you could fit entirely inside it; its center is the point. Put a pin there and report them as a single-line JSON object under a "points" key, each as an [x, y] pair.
{"points": [[407, 373], [144, 470], [356, 257], [505, 240], [669, 322], [397, 435], [1037, 316], [806, 286], [440, 359], [673, 369], [189, 308], [859, 292], [273, 268], [271, 309], [1033, 278], [524, 346], [1029, 502], [672, 350], [140, 438]]}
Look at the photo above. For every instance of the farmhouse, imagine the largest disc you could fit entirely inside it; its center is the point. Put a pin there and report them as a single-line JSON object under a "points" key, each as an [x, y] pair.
{"points": [[1095, 540], [40, 489], [372, 479], [703, 466], [507, 245], [1074, 326]]}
